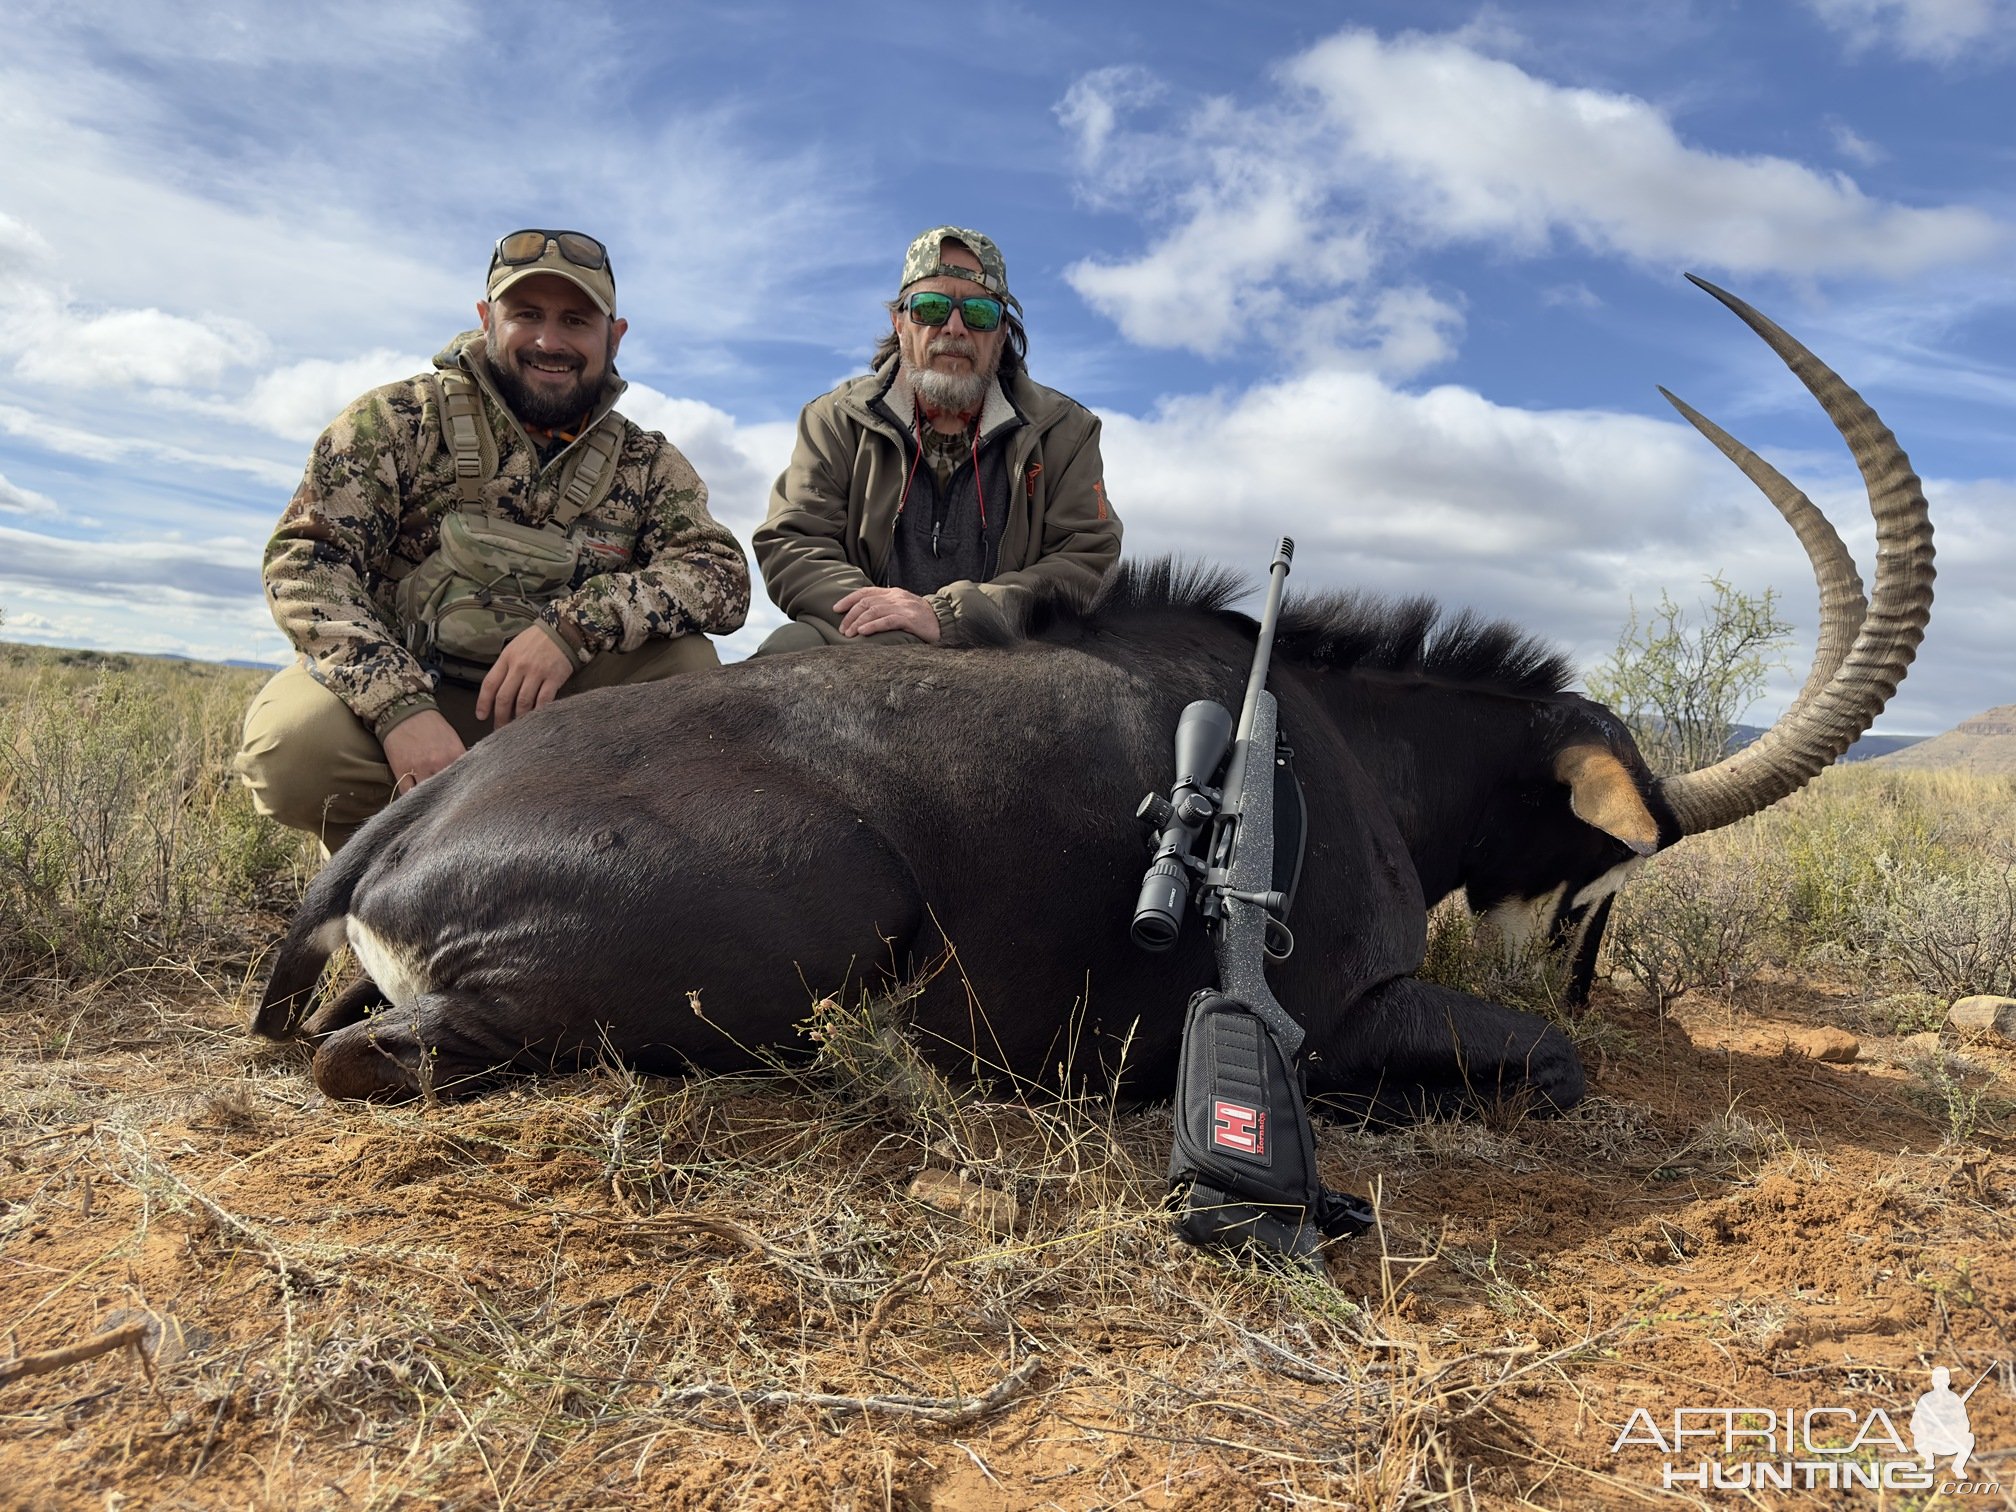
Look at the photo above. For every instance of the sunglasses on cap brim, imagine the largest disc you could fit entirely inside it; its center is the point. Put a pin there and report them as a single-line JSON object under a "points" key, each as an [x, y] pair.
{"points": [[521, 247], [978, 312]]}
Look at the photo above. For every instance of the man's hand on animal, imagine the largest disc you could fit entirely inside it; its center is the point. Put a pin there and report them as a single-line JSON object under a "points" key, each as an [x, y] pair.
{"points": [[869, 611], [528, 674], [419, 747]]}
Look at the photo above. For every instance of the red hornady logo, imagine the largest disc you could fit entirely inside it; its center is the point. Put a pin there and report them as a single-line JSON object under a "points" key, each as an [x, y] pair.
{"points": [[1237, 1126]]}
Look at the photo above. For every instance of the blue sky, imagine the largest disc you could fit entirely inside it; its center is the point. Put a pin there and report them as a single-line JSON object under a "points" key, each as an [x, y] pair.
{"points": [[1399, 280]]}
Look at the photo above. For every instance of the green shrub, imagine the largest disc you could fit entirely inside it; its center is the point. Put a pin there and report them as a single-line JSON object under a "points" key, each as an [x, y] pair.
{"points": [[1698, 917], [1901, 878]]}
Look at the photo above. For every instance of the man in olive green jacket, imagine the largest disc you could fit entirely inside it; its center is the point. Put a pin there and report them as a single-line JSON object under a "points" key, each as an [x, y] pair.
{"points": [[471, 543], [946, 491]]}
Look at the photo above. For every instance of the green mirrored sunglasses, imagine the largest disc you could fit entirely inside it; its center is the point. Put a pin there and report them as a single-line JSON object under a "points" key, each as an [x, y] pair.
{"points": [[978, 313]]}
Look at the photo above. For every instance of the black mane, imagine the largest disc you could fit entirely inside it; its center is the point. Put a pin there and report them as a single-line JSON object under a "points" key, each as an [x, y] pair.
{"points": [[1341, 630]]}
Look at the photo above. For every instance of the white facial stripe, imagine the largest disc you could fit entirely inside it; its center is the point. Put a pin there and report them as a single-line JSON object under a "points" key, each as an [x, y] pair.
{"points": [[1607, 884], [1523, 922], [399, 971]]}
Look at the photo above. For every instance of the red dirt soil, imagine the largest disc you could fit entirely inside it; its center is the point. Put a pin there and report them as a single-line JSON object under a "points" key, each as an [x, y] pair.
{"points": [[610, 1293]]}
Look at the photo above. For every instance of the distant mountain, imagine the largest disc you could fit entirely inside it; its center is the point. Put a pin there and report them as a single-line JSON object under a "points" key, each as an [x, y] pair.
{"points": [[88, 655], [1985, 743], [229, 661], [1868, 748]]}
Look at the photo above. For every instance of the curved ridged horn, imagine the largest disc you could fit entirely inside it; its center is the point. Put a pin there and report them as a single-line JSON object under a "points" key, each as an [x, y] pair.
{"points": [[1825, 720], [1841, 602]]}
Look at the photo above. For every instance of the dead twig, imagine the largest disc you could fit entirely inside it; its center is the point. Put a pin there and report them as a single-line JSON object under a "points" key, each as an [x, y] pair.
{"points": [[12, 1154], [72, 1354], [946, 1411], [901, 1287]]}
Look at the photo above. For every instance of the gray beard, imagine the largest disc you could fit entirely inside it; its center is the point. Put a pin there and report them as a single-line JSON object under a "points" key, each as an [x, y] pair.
{"points": [[948, 392]]}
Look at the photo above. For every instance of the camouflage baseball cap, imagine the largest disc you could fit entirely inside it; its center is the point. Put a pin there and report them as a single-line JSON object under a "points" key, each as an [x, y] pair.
{"points": [[924, 260], [574, 256]]}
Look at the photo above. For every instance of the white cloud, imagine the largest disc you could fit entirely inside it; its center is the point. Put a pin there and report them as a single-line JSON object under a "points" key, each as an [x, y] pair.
{"points": [[266, 33], [1254, 236], [1933, 31], [282, 275], [1476, 148], [1329, 230], [1225, 275], [1371, 473], [1375, 146], [1852, 145], [299, 400], [737, 462], [1558, 520], [96, 446], [14, 499], [223, 569], [35, 626], [143, 618], [1967, 642], [123, 348], [1091, 110], [227, 248], [21, 246], [1571, 296]]}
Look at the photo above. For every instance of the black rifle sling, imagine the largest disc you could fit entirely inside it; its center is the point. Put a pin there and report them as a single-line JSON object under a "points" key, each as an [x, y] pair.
{"points": [[1291, 823]]}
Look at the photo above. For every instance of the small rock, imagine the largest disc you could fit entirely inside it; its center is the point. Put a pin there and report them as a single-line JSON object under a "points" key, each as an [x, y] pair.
{"points": [[953, 1192], [166, 1342], [1918, 1046], [1829, 1044], [1987, 1015]]}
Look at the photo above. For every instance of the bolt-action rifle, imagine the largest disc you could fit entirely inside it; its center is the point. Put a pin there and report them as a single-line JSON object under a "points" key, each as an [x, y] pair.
{"points": [[1243, 1173]]}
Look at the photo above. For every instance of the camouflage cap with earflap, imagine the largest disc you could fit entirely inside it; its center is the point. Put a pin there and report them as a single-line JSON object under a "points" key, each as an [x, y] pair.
{"points": [[925, 260]]}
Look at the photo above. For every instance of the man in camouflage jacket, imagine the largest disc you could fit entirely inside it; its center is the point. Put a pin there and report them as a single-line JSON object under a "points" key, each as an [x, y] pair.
{"points": [[371, 708], [946, 490]]}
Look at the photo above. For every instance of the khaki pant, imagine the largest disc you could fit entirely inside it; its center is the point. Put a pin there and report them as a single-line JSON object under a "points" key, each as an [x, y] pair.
{"points": [[314, 766]]}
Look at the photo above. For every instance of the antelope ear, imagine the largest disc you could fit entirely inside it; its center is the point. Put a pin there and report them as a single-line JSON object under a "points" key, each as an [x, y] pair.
{"points": [[1601, 792]]}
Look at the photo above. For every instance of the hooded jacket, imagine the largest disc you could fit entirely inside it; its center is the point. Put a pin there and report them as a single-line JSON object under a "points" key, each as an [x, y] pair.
{"points": [[833, 512], [653, 561]]}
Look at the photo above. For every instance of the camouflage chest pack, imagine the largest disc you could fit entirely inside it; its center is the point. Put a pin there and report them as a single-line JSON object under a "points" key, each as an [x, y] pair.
{"points": [[490, 577]]}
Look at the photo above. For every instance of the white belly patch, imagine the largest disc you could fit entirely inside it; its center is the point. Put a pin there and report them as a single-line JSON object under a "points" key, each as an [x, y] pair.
{"points": [[398, 970]]}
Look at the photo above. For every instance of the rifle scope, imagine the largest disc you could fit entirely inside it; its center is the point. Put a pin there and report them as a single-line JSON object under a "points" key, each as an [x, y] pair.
{"points": [[1203, 734]]}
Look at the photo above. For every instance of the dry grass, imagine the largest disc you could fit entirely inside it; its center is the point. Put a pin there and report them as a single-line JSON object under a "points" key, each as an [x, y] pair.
{"points": [[560, 1295]]}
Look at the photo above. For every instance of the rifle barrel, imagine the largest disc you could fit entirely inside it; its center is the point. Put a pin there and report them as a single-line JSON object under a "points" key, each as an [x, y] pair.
{"points": [[1263, 652], [1263, 645]]}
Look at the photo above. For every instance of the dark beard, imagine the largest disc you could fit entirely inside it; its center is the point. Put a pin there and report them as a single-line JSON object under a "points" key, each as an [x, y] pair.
{"points": [[540, 409]]}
